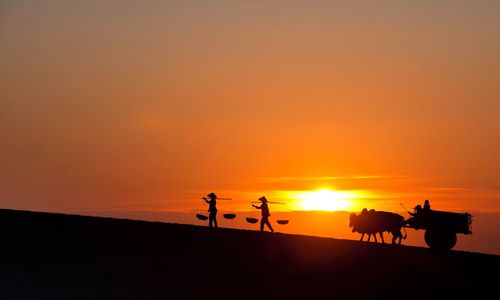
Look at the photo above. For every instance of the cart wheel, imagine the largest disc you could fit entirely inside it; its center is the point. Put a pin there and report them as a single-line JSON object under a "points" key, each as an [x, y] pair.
{"points": [[439, 239]]}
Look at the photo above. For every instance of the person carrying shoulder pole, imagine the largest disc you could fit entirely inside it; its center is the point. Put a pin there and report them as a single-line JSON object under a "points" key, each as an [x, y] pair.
{"points": [[212, 209], [265, 214]]}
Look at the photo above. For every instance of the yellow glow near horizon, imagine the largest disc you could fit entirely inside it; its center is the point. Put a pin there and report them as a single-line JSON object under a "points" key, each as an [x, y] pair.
{"points": [[327, 200]]}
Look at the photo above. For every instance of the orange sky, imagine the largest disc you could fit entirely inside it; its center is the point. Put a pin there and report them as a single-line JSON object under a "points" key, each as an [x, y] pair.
{"points": [[145, 105]]}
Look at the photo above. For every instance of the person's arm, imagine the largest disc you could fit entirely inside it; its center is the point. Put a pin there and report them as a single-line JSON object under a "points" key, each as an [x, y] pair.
{"points": [[206, 200], [257, 207]]}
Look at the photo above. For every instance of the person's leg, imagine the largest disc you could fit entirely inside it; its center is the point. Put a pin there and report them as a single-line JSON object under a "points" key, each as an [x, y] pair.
{"points": [[215, 220], [210, 220], [269, 225], [262, 222]]}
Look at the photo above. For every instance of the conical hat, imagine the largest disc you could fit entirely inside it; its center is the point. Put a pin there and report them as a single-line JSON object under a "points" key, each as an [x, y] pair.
{"points": [[263, 199], [212, 196]]}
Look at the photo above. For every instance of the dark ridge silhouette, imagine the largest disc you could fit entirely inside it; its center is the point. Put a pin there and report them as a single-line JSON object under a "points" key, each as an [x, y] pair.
{"points": [[58, 256]]}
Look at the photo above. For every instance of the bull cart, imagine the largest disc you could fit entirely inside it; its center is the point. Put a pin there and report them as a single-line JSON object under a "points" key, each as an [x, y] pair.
{"points": [[441, 227]]}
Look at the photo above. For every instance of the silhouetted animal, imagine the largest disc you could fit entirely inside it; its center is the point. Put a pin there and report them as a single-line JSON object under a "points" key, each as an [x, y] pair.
{"points": [[373, 222], [359, 223]]}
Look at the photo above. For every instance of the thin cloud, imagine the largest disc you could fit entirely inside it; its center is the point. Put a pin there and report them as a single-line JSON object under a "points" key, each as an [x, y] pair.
{"points": [[322, 178]]}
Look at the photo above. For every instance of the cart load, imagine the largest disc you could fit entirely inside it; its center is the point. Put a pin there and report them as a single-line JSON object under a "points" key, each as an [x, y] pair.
{"points": [[441, 227]]}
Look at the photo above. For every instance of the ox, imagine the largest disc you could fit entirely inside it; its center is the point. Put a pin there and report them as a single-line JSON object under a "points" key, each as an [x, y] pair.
{"points": [[373, 222]]}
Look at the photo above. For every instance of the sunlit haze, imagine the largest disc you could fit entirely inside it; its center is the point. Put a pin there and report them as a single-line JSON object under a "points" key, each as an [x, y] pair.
{"points": [[322, 105], [326, 200]]}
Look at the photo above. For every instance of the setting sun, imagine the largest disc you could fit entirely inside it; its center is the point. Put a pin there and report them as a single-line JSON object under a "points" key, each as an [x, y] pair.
{"points": [[325, 200]]}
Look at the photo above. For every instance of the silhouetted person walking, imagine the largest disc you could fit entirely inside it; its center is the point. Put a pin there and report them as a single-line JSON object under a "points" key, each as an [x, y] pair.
{"points": [[265, 214], [212, 209]]}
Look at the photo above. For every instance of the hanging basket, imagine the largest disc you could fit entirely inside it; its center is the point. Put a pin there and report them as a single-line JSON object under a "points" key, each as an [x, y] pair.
{"points": [[201, 217], [229, 216], [282, 222], [252, 220]]}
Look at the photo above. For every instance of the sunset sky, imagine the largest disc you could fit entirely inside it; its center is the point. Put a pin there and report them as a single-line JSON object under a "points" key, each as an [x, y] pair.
{"points": [[150, 105]]}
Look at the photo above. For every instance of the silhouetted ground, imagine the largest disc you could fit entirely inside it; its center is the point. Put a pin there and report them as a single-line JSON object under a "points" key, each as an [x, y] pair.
{"points": [[55, 256]]}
